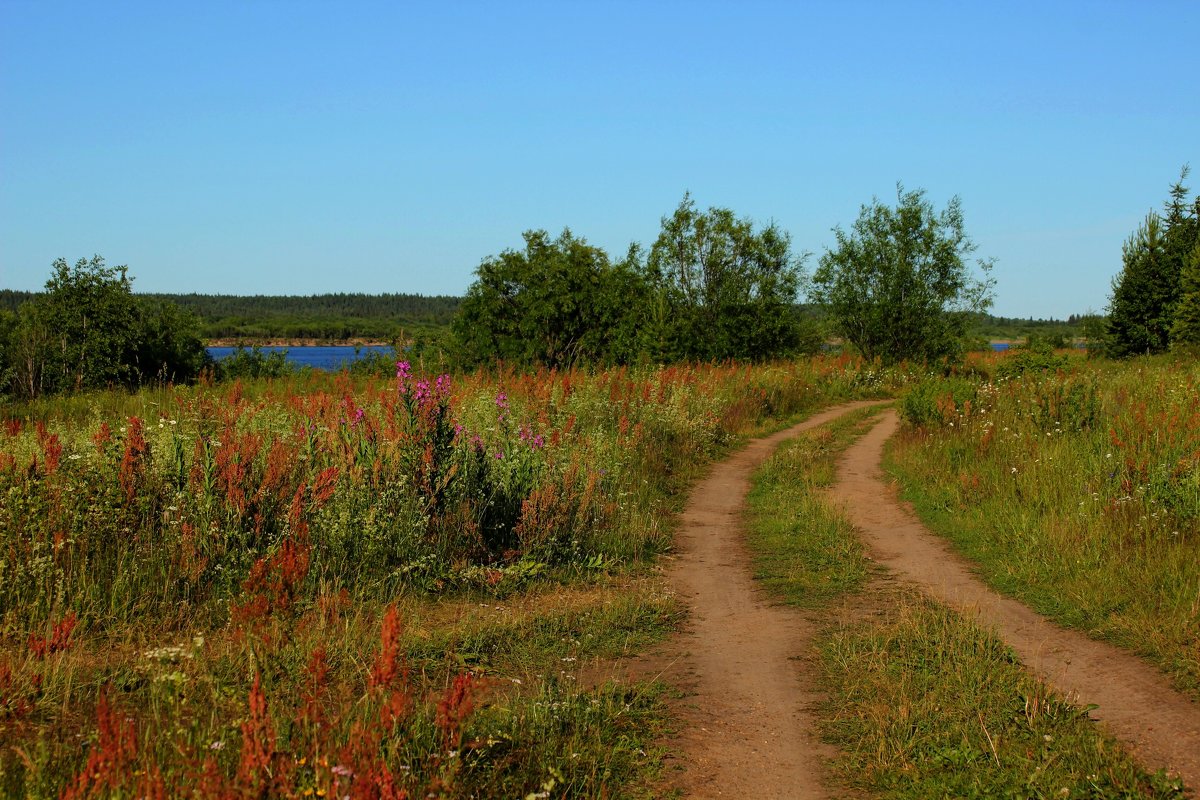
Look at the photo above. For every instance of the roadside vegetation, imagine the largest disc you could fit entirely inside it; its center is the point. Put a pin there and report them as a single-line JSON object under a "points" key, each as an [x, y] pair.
{"points": [[1076, 487], [354, 586], [919, 701]]}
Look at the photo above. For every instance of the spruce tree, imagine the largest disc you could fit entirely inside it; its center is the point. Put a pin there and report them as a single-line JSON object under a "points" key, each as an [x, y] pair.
{"points": [[1185, 333], [1147, 293]]}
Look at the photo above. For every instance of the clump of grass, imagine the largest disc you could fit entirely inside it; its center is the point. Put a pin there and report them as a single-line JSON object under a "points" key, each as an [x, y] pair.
{"points": [[924, 703], [1077, 491], [804, 550]]}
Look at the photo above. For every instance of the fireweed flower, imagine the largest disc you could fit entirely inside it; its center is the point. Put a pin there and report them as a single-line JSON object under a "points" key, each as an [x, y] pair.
{"points": [[423, 394], [443, 386], [502, 401]]}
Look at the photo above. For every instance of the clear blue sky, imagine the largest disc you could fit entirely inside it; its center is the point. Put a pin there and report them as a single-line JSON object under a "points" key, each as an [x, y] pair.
{"points": [[288, 147]]}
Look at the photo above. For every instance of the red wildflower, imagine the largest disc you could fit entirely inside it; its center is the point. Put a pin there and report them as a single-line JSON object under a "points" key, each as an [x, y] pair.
{"points": [[110, 759], [60, 637]]}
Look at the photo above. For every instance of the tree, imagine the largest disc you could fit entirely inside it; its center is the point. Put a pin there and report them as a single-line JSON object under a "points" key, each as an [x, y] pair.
{"points": [[89, 331], [167, 344], [1146, 293], [722, 289], [898, 286], [90, 312], [1185, 330], [556, 303]]}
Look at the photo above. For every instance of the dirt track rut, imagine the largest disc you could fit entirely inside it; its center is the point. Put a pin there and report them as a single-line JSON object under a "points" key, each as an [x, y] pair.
{"points": [[1159, 725]]}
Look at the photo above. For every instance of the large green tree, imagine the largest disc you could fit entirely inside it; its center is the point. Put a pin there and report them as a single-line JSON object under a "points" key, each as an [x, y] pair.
{"points": [[898, 286], [88, 331], [556, 303], [722, 289], [1148, 290]]}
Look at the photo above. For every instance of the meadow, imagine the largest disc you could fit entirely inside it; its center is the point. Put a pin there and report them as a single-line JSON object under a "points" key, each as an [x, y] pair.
{"points": [[1075, 485], [346, 586]]}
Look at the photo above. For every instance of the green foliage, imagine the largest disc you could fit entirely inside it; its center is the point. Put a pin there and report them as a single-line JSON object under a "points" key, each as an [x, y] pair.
{"points": [[1144, 294], [167, 346], [1185, 331], [935, 401], [89, 331], [87, 312], [254, 362], [1036, 356], [1149, 288], [723, 290], [897, 286], [556, 303]]}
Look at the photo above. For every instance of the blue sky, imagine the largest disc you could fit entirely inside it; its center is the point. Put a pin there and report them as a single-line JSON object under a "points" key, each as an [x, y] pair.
{"points": [[270, 147]]}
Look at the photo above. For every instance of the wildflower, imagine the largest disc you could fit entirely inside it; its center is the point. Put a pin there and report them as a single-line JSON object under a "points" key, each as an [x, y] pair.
{"points": [[502, 401], [422, 393], [403, 370]]}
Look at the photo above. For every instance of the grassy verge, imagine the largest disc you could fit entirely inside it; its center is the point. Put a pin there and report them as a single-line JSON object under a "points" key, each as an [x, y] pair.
{"points": [[1076, 491], [920, 701], [924, 703]]}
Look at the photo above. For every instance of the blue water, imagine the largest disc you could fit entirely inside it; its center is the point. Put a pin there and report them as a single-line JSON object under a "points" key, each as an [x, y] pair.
{"points": [[998, 346], [327, 358]]}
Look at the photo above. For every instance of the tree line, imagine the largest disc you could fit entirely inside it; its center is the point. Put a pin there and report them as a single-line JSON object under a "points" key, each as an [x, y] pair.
{"points": [[714, 286], [711, 287], [900, 283]]}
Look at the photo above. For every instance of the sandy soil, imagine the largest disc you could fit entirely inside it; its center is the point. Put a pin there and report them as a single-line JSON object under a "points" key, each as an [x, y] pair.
{"points": [[1137, 704]]}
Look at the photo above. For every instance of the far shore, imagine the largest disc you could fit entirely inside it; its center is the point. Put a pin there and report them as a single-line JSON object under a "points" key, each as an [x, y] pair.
{"points": [[296, 343]]}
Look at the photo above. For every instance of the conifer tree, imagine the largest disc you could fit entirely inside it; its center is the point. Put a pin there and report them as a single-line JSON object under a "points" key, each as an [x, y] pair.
{"points": [[1147, 293], [1185, 332]]}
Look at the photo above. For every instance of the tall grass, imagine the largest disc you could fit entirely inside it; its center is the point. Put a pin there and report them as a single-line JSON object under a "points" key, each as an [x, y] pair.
{"points": [[1076, 489]]}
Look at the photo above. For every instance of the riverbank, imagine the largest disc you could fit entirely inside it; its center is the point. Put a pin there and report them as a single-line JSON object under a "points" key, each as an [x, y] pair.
{"points": [[247, 342]]}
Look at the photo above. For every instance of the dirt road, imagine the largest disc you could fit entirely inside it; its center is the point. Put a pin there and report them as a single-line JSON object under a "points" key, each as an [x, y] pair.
{"points": [[1160, 726], [747, 733]]}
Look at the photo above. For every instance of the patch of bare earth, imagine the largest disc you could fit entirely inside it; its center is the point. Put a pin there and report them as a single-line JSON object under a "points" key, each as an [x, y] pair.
{"points": [[1135, 702]]}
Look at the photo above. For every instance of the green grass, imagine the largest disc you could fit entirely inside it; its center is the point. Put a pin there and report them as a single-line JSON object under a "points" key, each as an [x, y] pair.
{"points": [[1078, 492], [804, 551], [924, 703], [920, 702]]}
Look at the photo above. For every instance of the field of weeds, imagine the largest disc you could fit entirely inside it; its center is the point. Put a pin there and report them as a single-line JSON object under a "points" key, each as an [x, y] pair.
{"points": [[1076, 486], [328, 586]]}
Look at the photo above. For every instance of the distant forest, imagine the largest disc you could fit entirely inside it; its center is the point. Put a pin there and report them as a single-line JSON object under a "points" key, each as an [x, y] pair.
{"points": [[382, 317], [325, 317]]}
